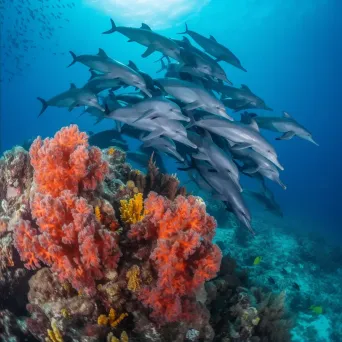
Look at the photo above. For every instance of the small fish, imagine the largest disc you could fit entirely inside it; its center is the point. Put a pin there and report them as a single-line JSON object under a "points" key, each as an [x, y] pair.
{"points": [[296, 286], [257, 260], [316, 309]]}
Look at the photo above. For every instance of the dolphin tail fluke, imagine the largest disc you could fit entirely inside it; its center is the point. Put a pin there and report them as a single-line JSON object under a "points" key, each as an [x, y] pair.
{"points": [[44, 105], [113, 28], [186, 29], [74, 59]]}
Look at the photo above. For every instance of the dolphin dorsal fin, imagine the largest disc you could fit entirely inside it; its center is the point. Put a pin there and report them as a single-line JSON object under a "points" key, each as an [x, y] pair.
{"points": [[208, 135], [101, 53], [145, 27], [213, 39], [244, 87], [249, 122], [287, 115], [72, 86], [186, 40], [133, 66]]}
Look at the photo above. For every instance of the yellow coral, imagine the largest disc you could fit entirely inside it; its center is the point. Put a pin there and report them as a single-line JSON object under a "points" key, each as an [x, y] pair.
{"points": [[124, 337], [130, 184], [133, 278], [114, 339], [54, 334], [132, 211], [102, 320], [111, 319], [65, 313], [111, 151], [98, 214], [135, 190]]}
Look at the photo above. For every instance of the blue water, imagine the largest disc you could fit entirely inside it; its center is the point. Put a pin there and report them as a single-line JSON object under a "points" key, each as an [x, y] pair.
{"points": [[291, 49]]}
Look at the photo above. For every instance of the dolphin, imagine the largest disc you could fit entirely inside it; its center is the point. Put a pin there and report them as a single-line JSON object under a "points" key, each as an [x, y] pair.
{"points": [[159, 106], [242, 99], [98, 82], [254, 163], [226, 191], [112, 69], [146, 37], [266, 199], [193, 56], [215, 156], [194, 95], [130, 98], [158, 126], [72, 98], [165, 145], [108, 138], [211, 46], [285, 124], [243, 136]]}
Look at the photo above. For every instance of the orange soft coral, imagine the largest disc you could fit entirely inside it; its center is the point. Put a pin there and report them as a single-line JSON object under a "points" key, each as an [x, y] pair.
{"points": [[66, 234], [66, 163], [184, 256]]}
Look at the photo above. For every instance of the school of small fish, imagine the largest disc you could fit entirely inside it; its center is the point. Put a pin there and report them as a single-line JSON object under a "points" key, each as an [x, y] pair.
{"points": [[28, 25], [184, 114]]}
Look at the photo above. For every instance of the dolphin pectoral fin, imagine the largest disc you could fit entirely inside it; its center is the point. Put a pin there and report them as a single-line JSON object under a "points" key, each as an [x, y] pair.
{"points": [[240, 146], [72, 106], [154, 134], [149, 51], [192, 106], [200, 156], [148, 114], [251, 170], [287, 136]]}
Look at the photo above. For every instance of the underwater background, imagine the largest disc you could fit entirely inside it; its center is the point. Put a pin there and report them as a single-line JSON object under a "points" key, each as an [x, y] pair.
{"points": [[292, 52]]}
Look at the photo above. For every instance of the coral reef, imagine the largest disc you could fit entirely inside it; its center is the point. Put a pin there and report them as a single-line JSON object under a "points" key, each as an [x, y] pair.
{"points": [[92, 250]]}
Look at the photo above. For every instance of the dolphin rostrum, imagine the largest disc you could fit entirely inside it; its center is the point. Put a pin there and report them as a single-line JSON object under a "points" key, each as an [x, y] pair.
{"points": [[194, 95], [285, 124], [72, 98], [211, 46]]}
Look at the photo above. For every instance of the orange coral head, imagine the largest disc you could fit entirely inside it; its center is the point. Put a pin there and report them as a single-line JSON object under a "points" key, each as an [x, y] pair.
{"points": [[66, 163]]}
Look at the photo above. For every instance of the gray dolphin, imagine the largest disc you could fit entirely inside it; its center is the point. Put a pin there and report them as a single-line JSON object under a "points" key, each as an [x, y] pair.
{"points": [[112, 69], [194, 95], [146, 37], [108, 138], [158, 126], [193, 56], [226, 191], [165, 145], [242, 99], [72, 98], [211, 46], [159, 106], [98, 82], [285, 124], [254, 162], [266, 199], [243, 136], [215, 156]]}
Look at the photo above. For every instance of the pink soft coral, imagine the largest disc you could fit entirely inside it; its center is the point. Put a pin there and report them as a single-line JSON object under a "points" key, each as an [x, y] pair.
{"points": [[66, 234], [183, 256]]}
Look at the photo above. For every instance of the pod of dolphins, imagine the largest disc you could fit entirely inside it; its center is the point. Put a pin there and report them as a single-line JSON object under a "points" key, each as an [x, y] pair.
{"points": [[185, 114]]}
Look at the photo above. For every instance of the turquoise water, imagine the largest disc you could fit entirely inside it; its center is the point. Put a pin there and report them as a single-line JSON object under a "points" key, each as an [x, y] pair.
{"points": [[292, 51]]}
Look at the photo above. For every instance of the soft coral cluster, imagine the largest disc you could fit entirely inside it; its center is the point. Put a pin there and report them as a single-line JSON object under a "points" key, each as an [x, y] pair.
{"points": [[65, 234], [182, 254]]}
